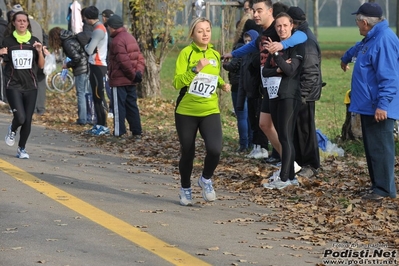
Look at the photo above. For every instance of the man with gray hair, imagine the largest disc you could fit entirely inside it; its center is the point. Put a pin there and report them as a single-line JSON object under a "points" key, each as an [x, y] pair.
{"points": [[375, 96]]}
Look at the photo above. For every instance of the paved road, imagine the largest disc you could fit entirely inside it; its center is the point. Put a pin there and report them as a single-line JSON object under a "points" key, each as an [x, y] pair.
{"points": [[74, 204]]}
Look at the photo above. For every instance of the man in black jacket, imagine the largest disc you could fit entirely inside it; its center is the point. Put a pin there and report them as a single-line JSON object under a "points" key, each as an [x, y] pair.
{"points": [[305, 139]]}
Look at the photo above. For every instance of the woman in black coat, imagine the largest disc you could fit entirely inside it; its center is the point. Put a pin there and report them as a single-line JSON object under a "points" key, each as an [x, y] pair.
{"points": [[60, 38]]}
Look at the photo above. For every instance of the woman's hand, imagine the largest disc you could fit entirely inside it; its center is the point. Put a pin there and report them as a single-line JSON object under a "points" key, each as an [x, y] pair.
{"points": [[202, 63], [226, 87], [3, 50], [45, 51], [38, 46]]}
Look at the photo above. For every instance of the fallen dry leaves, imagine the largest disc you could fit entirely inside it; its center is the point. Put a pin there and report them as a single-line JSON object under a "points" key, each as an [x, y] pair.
{"points": [[322, 210]]}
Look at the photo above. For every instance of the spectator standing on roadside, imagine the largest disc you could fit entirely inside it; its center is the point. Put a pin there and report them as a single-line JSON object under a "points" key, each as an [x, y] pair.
{"points": [[126, 68], [249, 96], [282, 85], [97, 51], [106, 14], [244, 129], [60, 38], [21, 78], [375, 96], [305, 138], [198, 66]]}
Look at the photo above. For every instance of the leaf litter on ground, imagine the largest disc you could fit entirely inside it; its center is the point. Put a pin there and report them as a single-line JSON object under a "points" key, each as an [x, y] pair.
{"points": [[322, 210]]}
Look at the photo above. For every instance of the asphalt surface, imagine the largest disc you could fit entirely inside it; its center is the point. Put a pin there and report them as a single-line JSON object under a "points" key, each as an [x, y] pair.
{"points": [[74, 204]]}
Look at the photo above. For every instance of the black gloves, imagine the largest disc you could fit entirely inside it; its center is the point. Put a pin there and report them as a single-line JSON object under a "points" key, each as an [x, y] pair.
{"points": [[139, 77]]}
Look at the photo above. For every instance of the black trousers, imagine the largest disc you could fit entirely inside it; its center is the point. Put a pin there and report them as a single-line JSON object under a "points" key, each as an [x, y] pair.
{"points": [[305, 138], [210, 128], [22, 103], [284, 113], [97, 80]]}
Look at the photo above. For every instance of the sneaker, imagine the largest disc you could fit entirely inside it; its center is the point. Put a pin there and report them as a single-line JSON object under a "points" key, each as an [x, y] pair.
{"points": [[242, 149], [185, 197], [278, 183], [295, 182], [100, 130], [272, 160], [136, 137], [261, 154], [257, 153], [308, 172], [275, 175], [22, 154], [92, 130], [372, 197], [208, 193], [10, 137], [254, 150]]}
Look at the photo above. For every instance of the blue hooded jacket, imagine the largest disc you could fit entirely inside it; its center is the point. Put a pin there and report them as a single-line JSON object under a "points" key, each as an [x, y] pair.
{"points": [[375, 78]]}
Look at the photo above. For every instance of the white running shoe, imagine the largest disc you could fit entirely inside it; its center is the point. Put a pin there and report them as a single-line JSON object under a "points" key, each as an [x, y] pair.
{"points": [[208, 193], [254, 150], [185, 197], [22, 154], [261, 154], [10, 137]]}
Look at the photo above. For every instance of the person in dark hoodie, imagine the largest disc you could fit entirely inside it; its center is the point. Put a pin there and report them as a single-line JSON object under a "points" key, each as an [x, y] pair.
{"points": [[244, 128], [305, 139], [250, 95], [60, 38]]}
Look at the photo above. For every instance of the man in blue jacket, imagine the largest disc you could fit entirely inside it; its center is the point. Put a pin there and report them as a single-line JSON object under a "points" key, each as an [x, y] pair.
{"points": [[375, 95]]}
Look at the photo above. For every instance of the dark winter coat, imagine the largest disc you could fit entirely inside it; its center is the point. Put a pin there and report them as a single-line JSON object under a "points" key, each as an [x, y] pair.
{"points": [[311, 79], [75, 52], [125, 59], [3, 28], [249, 86], [233, 67]]}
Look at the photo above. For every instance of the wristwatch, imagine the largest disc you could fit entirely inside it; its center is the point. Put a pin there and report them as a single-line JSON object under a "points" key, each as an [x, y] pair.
{"points": [[194, 69], [276, 53]]}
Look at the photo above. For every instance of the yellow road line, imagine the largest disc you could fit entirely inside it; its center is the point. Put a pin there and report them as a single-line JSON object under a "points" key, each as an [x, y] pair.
{"points": [[131, 233]]}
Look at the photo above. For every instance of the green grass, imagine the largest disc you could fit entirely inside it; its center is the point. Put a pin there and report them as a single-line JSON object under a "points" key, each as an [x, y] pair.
{"points": [[330, 109]]}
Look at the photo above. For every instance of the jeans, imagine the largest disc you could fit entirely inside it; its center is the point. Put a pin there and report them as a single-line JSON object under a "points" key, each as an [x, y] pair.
{"points": [[243, 125], [81, 90], [379, 146]]}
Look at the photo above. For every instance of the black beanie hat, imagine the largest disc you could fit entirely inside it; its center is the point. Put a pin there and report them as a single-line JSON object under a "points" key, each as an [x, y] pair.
{"points": [[91, 12], [115, 22]]}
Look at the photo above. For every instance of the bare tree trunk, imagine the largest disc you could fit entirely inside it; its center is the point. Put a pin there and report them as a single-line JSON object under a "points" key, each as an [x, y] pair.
{"points": [[315, 17], [149, 88], [387, 10], [339, 7]]}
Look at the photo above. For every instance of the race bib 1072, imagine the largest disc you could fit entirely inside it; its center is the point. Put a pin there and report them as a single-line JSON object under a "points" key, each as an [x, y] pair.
{"points": [[203, 85]]}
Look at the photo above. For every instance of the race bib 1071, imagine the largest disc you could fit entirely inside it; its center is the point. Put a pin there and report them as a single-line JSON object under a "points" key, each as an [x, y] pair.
{"points": [[22, 59], [203, 85]]}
